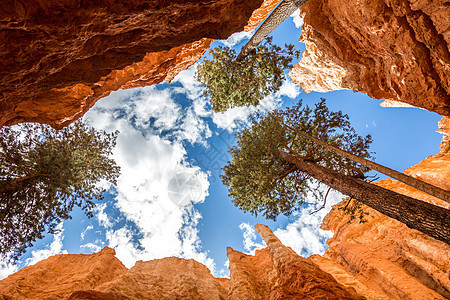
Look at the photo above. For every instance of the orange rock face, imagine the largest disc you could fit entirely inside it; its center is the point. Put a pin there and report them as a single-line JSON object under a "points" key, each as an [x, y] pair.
{"points": [[436, 168], [277, 272], [298, 277], [383, 258], [57, 58], [60, 275], [391, 49], [167, 278]]}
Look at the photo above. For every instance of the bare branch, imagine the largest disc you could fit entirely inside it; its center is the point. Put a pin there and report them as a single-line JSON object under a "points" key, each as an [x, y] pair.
{"points": [[324, 202]]}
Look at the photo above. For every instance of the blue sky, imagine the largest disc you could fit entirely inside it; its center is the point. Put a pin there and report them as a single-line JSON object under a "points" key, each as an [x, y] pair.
{"points": [[169, 135]]}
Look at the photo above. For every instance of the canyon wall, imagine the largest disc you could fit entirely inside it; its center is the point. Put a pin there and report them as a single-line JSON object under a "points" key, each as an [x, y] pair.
{"points": [[57, 58], [390, 49], [378, 259], [383, 258]]}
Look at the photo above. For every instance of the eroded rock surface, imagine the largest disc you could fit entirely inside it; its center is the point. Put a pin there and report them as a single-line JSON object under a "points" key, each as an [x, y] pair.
{"points": [[391, 49], [383, 258], [166, 278], [58, 276], [57, 58], [298, 277]]}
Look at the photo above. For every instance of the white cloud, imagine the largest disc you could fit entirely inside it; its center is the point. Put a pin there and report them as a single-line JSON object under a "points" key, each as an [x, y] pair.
{"points": [[54, 248], [83, 233], [150, 151], [230, 119], [250, 236], [7, 269], [237, 37], [191, 87], [289, 89], [304, 235], [102, 217], [91, 247], [224, 273], [298, 21]]}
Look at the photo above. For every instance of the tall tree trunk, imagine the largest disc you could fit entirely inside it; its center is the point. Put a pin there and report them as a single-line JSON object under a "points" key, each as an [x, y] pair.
{"points": [[409, 180], [430, 219], [278, 15]]}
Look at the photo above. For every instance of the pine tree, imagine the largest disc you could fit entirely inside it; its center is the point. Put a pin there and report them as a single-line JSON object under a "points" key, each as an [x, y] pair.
{"points": [[272, 171], [231, 83], [44, 173]]}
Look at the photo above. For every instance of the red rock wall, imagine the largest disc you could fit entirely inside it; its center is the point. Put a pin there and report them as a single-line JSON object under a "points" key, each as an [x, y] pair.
{"points": [[276, 272], [57, 58], [166, 278], [59, 276], [383, 258], [392, 49]]}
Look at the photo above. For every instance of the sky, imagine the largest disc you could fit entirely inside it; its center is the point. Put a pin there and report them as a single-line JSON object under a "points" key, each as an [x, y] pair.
{"points": [[169, 200]]}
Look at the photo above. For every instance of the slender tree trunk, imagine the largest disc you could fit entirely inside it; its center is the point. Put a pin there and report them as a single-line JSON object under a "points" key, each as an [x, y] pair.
{"points": [[278, 15], [409, 180], [430, 219]]}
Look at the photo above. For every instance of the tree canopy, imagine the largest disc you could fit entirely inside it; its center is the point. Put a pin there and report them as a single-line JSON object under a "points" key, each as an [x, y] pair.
{"points": [[230, 82], [44, 173], [260, 181]]}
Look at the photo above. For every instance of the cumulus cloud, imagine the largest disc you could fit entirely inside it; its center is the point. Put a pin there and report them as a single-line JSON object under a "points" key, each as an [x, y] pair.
{"points": [[289, 89], [304, 235], [55, 247], [83, 233], [151, 153], [102, 217], [7, 269], [249, 239], [237, 37], [298, 21], [91, 247]]}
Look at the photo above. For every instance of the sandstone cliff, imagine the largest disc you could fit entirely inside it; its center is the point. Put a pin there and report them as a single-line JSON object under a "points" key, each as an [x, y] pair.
{"points": [[383, 258], [285, 276], [57, 58], [60, 275], [379, 259], [392, 49], [274, 273]]}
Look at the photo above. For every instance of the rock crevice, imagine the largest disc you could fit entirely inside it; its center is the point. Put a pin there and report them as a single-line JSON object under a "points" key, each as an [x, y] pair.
{"points": [[390, 49]]}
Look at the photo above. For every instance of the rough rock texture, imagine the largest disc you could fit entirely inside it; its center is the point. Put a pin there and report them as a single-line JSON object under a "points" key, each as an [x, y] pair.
{"points": [[166, 278], [277, 272], [60, 275], [436, 168], [252, 276], [260, 14], [391, 49], [57, 58], [383, 258], [298, 277]]}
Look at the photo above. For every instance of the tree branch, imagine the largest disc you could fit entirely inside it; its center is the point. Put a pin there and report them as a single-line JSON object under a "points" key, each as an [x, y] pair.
{"points": [[324, 202]]}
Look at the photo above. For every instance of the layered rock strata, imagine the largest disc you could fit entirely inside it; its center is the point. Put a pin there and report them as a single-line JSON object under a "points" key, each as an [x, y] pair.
{"points": [[57, 58], [390, 49]]}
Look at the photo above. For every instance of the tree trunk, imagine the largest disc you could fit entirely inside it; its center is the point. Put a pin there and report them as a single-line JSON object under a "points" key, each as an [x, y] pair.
{"points": [[278, 15], [430, 219], [409, 180]]}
